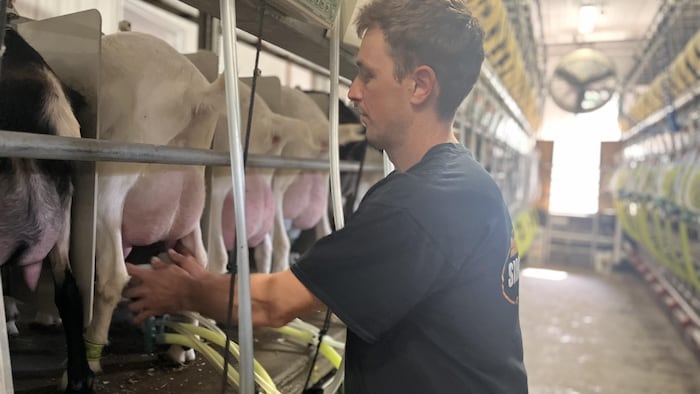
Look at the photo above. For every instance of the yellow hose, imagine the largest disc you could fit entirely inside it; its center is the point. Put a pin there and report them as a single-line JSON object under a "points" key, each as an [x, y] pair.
{"points": [[689, 264], [306, 337], [649, 244], [672, 241], [206, 351], [623, 217], [662, 247], [220, 340], [187, 337]]}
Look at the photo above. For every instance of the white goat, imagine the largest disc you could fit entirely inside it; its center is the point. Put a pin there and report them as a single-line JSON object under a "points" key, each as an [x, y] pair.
{"points": [[302, 196], [270, 132], [150, 94]]}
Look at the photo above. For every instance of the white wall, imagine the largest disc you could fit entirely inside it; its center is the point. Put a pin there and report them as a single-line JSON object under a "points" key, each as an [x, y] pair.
{"points": [[181, 33], [112, 11], [178, 32]]}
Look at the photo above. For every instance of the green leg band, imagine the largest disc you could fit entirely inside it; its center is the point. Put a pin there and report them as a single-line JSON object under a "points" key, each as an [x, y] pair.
{"points": [[93, 350]]}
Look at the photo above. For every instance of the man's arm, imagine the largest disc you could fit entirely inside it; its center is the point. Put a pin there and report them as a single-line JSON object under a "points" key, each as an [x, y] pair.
{"points": [[169, 288], [276, 298]]}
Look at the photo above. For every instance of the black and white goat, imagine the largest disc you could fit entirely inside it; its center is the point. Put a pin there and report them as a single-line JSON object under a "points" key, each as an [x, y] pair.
{"points": [[36, 195]]}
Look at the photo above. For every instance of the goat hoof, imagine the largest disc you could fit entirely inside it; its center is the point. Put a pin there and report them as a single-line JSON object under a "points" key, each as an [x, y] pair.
{"points": [[11, 311], [47, 319], [12, 328], [179, 355], [83, 386], [95, 366]]}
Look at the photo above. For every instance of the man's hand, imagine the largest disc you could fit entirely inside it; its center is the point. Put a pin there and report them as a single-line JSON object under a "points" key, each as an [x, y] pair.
{"points": [[166, 288]]}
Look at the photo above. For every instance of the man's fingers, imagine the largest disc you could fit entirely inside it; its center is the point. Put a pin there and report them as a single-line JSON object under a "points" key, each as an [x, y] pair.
{"points": [[135, 271], [142, 316], [178, 258], [137, 305], [134, 292], [140, 311], [157, 263]]}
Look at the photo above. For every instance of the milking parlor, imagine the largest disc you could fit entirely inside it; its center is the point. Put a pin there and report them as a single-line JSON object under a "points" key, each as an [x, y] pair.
{"points": [[349, 196]]}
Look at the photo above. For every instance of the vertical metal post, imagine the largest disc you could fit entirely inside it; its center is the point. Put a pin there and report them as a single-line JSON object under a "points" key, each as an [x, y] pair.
{"points": [[205, 31], [594, 239], [472, 141], [617, 244], [334, 151], [334, 156], [5, 366], [547, 241], [245, 326]]}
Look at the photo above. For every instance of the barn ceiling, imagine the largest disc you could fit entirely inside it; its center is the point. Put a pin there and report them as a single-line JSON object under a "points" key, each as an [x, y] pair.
{"points": [[640, 36], [616, 33]]}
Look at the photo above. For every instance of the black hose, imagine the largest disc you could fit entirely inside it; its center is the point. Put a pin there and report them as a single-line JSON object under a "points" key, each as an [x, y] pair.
{"points": [[321, 334]]}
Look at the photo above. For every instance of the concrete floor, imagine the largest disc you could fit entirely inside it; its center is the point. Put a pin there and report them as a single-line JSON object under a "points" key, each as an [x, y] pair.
{"points": [[593, 333], [38, 353]]}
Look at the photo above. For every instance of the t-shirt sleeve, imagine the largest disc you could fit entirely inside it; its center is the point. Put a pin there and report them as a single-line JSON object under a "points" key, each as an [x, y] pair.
{"points": [[374, 271]]}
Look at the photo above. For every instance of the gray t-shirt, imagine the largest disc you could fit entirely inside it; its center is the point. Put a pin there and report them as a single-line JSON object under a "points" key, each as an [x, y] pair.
{"points": [[425, 276]]}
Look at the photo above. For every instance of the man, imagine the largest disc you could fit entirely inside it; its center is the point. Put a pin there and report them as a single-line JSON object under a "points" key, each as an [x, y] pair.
{"points": [[425, 272]]}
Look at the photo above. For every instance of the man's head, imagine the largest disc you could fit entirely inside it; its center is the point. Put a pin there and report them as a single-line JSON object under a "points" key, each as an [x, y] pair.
{"points": [[440, 34]]}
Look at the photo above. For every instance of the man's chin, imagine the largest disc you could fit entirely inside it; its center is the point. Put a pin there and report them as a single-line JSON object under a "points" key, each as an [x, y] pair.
{"points": [[374, 143]]}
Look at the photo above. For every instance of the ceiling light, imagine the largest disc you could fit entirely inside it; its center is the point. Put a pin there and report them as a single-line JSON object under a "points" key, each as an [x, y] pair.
{"points": [[587, 18]]}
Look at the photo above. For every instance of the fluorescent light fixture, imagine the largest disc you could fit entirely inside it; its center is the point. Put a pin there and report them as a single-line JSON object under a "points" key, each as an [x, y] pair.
{"points": [[541, 273], [587, 18]]}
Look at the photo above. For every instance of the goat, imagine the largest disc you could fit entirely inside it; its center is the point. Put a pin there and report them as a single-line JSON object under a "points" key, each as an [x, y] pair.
{"points": [[37, 194], [150, 94]]}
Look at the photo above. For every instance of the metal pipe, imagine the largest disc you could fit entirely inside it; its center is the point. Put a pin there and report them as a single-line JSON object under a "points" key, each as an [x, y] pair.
{"points": [[334, 153], [3, 23], [540, 28], [205, 32], [504, 97], [288, 56], [659, 115], [49, 147], [334, 161], [5, 364], [245, 319], [682, 303], [244, 36], [658, 33]]}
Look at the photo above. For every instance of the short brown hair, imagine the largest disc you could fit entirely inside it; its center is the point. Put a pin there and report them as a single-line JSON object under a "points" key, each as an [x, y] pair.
{"points": [[441, 34]]}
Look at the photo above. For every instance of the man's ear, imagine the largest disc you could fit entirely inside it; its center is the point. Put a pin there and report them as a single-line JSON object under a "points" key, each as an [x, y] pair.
{"points": [[425, 84]]}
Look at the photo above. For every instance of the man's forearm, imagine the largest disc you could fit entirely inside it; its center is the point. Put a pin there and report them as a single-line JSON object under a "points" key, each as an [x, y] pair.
{"points": [[209, 296], [273, 303]]}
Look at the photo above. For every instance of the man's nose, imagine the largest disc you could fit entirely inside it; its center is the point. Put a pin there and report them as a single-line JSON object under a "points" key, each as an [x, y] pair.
{"points": [[354, 92]]}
